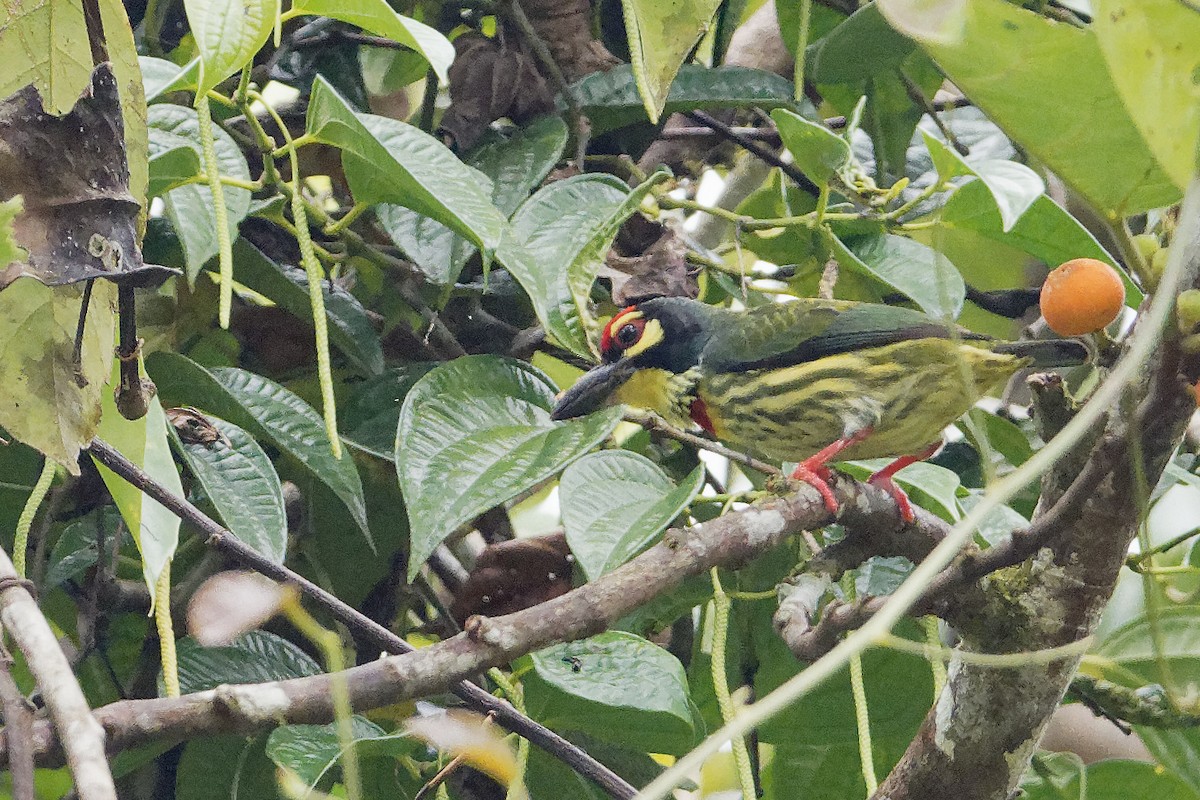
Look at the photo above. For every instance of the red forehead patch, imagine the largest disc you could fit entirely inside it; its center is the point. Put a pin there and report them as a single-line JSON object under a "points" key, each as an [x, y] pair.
{"points": [[607, 334]]}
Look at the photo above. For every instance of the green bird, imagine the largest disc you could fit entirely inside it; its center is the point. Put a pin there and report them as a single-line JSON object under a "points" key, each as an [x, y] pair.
{"points": [[811, 381]]}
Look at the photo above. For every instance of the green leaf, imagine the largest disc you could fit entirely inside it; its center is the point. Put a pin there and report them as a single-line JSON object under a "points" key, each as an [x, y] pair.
{"points": [[173, 160], [256, 657], [228, 34], [190, 207], [387, 161], [370, 417], [351, 331], [144, 442], [615, 503], [46, 45], [267, 410], [474, 433], [42, 405], [241, 483], [908, 266], [312, 750], [76, 549], [859, 49], [819, 152], [161, 77], [1075, 124], [560, 238], [1014, 187], [225, 768], [377, 17], [617, 687], [515, 165], [1046, 231], [661, 37], [1119, 779], [611, 99], [1177, 750], [928, 485], [1133, 646], [1153, 58]]}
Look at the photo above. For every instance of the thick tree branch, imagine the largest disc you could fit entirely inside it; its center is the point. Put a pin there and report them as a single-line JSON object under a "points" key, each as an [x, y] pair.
{"points": [[729, 541]]}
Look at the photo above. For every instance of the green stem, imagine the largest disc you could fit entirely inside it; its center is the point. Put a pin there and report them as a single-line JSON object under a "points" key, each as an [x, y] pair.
{"points": [[315, 274], [741, 756], [220, 212], [339, 690], [801, 46], [347, 219], [290, 145], [25, 521], [861, 715], [933, 641]]}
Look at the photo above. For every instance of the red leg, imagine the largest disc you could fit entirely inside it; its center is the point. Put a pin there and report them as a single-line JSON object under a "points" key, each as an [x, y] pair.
{"points": [[813, 471], [883, 479]]}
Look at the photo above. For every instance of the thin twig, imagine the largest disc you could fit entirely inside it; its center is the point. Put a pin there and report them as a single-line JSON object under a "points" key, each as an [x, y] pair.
{"points": [[755, 149], [655, 424], [18, 731]]}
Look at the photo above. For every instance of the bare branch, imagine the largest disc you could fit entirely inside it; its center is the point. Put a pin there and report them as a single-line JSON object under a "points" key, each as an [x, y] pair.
{"points": [[80, 736]]}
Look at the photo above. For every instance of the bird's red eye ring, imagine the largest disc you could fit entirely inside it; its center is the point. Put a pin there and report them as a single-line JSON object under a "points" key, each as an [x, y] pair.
{"points": [[623, 331]]}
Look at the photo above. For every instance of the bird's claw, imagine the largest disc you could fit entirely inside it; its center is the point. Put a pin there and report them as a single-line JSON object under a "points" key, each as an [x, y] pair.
{"points": [[886, 483], [817, 476]]}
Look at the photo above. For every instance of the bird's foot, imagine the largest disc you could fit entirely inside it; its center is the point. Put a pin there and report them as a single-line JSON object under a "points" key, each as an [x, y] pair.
{"points": [[817, 476], [813, 471], [883, 479], [886, 483]]}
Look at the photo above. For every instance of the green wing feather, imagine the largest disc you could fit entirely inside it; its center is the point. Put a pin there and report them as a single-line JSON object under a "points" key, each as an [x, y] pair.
{"points": [[786, 334]]}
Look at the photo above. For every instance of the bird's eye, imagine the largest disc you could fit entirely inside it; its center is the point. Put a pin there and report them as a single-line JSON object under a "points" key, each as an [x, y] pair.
{"points": [[628, 335]]}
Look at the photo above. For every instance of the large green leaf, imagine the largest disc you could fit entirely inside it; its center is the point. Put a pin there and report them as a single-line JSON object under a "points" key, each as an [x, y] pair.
{"points": [[614, 503], [144, 442], [228, 34], [920, 272], [560, 238], [42, 405], [162, 77], [377, 17], [515, 166], [1014, 187], [1153, 52], [387, 161], [819, 152], [256, 657], [190, 207], [225, 768], [1074, 123], [1045, 231], [1119, 779], [241, 483], [369, 418], [173, 160], [350, 330], [662, 34], [311, 751], [611, 99], [617, 687], [267, 410], [474, 433], [1173, 639]]}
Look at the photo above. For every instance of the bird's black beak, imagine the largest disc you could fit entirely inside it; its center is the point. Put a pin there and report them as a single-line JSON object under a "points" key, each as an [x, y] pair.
{"points": [[593, 391]]}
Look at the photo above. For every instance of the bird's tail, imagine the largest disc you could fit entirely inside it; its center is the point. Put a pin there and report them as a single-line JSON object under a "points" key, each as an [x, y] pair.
{"points": [[1047, 352]]}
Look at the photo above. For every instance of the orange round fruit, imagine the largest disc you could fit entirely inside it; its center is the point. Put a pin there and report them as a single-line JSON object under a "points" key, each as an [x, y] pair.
{"points": [[1081, 296]]}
